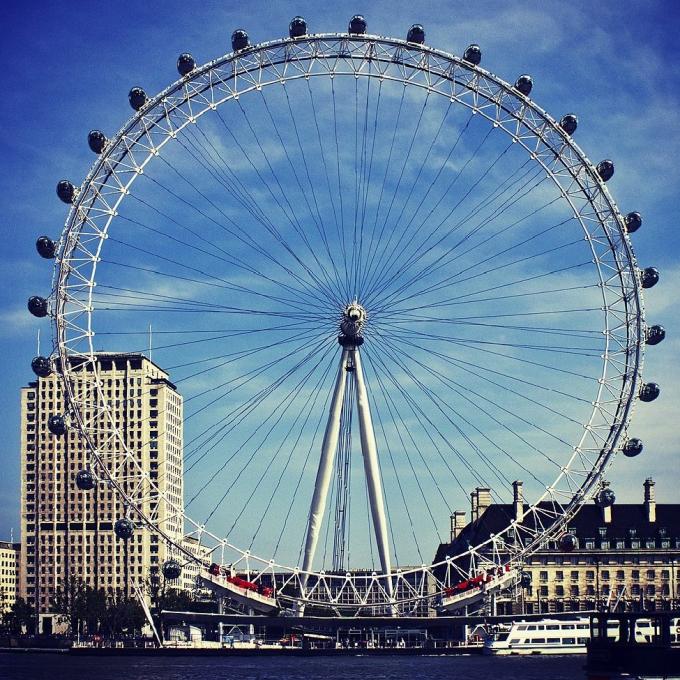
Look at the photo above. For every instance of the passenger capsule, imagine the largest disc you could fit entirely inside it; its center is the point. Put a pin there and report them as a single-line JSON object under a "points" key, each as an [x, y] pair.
{"points": [[185, 64], [84, 480], [605, 169], [524, 84], [569, 123], [137, 98], [633, 447], [172, 570], [649, 392], [41, 366], [633, 222], [96, 140], [605, 498], [525, 579], [37, 306], [297, 27], [357, 25], [655, 334], [46, 247], [473, 54], [649, 277], [66, 191], [568, 542], [416, 34], [123, 528], [56, 425], [239, 40]]}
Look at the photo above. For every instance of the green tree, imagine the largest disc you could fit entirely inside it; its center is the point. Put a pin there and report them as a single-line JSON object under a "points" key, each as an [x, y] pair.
{"points": [[69, 603], [124, 615], [20, 617]]}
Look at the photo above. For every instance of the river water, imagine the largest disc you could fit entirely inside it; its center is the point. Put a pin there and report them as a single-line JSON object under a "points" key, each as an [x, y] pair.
{"points": [[31, 666]]}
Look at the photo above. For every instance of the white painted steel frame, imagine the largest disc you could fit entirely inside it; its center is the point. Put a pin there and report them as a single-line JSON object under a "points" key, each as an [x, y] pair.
{"points": [[163, 118]]}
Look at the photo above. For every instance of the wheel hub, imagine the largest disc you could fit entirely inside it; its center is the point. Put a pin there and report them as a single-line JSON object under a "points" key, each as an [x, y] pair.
{"points": [[353, 319]]}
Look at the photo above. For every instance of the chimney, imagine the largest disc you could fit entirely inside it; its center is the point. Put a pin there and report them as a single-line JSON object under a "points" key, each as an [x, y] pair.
{"points": [[606, 512], [650, 501], [483, 500], [518, 500], [457, 524], [473, 506]]}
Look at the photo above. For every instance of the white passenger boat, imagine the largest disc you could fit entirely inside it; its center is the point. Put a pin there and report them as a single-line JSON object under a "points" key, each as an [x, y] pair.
{"points": [[566, 636]]}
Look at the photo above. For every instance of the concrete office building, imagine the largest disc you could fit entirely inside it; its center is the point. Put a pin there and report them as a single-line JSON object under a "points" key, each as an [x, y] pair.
{"points": [[68, 532], [10, 557]]}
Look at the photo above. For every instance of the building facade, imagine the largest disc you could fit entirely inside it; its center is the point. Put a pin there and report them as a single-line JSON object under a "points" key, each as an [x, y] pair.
{"points": [[68, 532], [627, 556], [10, 559]]}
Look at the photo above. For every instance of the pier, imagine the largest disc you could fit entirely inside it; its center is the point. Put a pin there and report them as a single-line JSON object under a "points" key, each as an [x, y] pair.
{"points": [[608, 656]]}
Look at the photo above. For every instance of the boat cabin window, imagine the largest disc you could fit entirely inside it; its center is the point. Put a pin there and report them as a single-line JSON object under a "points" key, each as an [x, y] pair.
{"points": [[538, 640], [555, 641], [531, 627], [569, 626], [521, 627], [568, 641], [582, 626], [583, 641], [552, 626]]}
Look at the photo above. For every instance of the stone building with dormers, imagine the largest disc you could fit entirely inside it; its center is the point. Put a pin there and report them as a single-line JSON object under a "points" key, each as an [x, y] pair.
{"points": [[627, 556]]}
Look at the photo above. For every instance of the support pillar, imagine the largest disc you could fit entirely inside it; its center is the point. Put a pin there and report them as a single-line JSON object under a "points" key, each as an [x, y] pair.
{"points": [[325, 471], [370, 454]]}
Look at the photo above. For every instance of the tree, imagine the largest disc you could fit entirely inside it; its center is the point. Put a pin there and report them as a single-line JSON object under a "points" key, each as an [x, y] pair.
{"points": [[124, 615], [69, 602], [20, 617], [81, 605]]}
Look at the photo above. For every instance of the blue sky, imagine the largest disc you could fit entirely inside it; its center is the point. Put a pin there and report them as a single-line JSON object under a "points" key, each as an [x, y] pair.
{"points": [[617, 65]]}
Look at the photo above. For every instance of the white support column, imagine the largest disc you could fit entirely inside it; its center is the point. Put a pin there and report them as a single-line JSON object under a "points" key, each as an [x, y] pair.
{"points": [[370, 454], [325, 471]]}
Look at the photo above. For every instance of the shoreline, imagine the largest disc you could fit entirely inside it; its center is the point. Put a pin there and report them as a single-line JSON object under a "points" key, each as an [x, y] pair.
{"points": [[225, 651]]}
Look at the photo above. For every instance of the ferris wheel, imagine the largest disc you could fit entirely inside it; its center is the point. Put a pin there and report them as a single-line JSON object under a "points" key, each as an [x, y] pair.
{"points": [[380, 276]]}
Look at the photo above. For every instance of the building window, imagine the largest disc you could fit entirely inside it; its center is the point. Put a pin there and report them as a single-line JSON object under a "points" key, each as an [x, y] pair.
{"points": [[559, 575]]}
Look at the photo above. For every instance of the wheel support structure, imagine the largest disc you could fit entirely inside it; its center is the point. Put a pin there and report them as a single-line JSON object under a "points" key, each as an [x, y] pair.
{"points": [[350, 360]]}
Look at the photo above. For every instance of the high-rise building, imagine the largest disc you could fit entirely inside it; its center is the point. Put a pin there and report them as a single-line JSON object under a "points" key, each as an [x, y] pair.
{"points": [[68, 532], [10, 556]]}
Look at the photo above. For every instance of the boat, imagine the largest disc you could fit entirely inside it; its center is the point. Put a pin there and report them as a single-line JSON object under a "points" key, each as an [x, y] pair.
{"points": [[560, 636]]}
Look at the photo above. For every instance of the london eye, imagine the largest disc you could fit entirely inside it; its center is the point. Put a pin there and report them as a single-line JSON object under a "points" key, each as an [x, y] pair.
{"points": [[379, 275]]}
